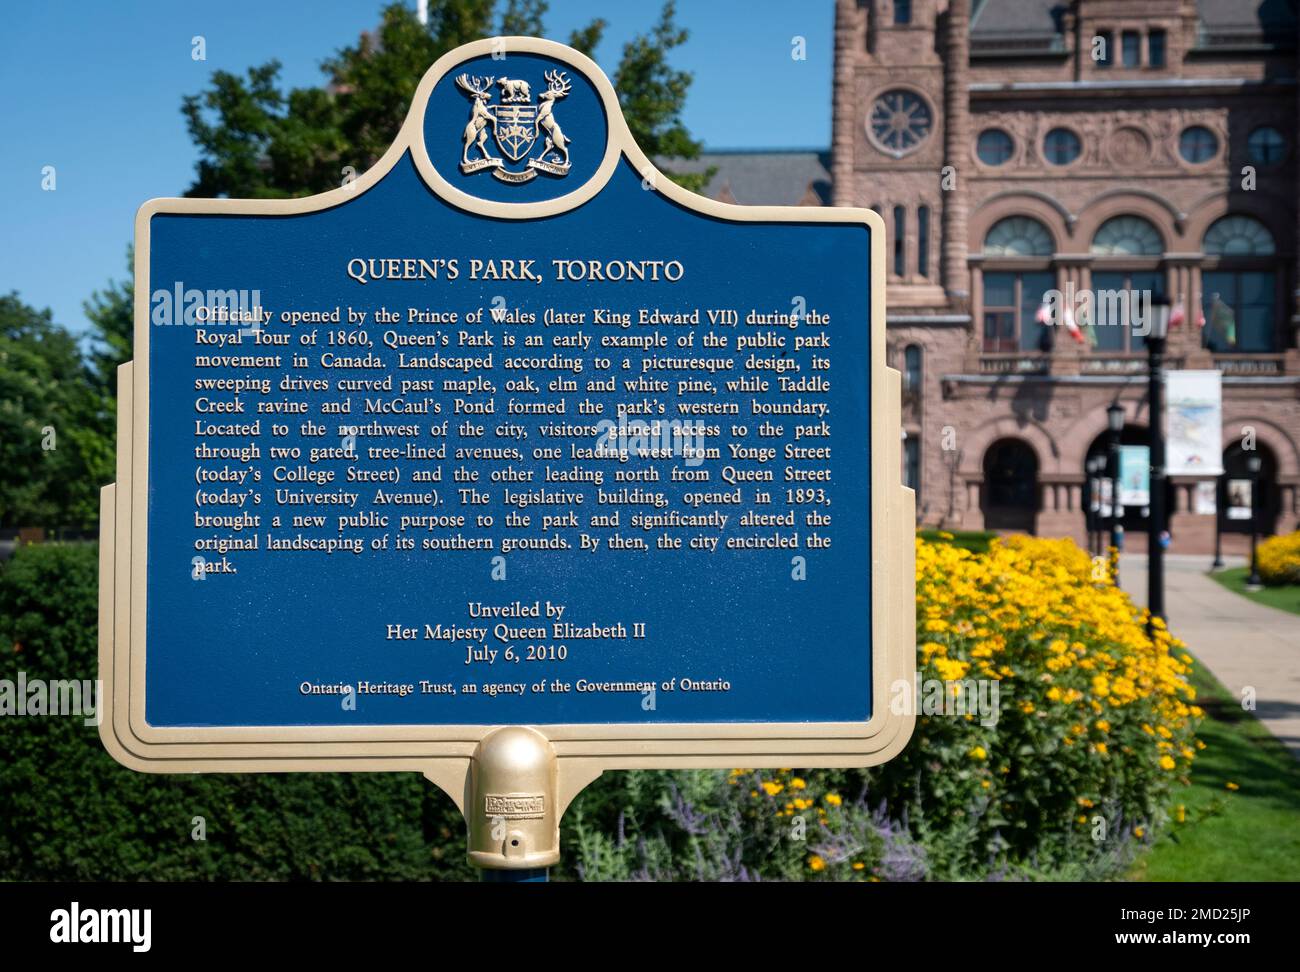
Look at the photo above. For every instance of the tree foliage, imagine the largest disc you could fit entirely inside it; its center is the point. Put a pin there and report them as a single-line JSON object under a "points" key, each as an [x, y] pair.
{"points": [[258, 141], [111, 313], [653, 95], [54, 453]]}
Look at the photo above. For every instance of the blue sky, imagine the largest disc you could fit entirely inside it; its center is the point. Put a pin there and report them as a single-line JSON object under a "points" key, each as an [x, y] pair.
{"points": [[94, 89]]}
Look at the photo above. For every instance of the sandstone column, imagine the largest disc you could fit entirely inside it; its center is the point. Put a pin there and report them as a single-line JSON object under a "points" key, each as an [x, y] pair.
{"points": [[844, 104], [957, 128]]}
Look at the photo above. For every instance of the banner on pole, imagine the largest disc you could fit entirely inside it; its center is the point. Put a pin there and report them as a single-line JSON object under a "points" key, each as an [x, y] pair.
{"points": [[1193, 423], [1134, 475]]}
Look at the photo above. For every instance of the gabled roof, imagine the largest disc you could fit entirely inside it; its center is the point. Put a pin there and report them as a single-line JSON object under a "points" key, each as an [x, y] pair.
{"points": [[762, 177], [1036, 26], [1238, 21], [1025, 25]]}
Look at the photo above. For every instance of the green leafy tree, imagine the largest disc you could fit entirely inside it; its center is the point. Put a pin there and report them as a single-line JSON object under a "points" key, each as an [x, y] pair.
{"points": [[523, 18], [653, 95], [53, 452], [257, 141], [111, 313]]}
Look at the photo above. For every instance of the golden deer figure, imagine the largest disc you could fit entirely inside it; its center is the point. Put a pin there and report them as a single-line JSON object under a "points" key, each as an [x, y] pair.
{"points": [[557, 87], [480, 93]]}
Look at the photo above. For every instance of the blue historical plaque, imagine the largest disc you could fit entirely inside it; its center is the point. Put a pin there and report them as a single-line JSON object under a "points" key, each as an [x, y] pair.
{"points": [[509, 430]]}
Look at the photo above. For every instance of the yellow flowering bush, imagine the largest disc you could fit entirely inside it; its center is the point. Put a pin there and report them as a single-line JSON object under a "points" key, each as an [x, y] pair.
{"points": [[1279, 559], [1092, 721], [1092, 713]]}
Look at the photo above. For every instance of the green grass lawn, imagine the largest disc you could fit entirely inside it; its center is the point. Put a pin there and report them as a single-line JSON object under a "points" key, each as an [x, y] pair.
{"points": [[1284, 598], [1251, 834]]}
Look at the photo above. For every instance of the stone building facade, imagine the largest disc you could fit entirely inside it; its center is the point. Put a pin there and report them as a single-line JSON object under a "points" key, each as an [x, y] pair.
{"points": [[1130, 150]]}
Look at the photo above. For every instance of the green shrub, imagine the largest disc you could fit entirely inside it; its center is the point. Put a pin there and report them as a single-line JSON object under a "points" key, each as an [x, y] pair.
{"points": [[976, 541], [72, 813]]}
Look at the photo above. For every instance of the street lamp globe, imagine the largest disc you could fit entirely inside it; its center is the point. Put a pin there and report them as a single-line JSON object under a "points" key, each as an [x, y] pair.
{"points": [[1160, 317], [1115, 417]]}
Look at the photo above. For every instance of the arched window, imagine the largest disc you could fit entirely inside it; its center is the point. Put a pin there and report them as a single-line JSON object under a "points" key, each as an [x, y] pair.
{"points": [[1010, 497], [912, 368], [1239, 294], [1018, 236], [1120, 300], [923, 241], [1238, 236], [1241, 500], [900, 238], [1012, 298], [1127, 236], [912, 465]]}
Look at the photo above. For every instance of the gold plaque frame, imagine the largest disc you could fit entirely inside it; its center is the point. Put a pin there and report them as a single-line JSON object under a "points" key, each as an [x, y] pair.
{"points": [[444, 753]]}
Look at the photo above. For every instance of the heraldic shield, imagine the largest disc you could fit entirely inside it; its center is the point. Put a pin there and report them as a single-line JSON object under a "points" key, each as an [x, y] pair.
{"points": [[517, 122], [515, 129]]}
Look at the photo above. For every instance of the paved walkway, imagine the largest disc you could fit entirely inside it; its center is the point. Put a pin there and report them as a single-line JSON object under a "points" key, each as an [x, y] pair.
{"points": [[1242, 643]]}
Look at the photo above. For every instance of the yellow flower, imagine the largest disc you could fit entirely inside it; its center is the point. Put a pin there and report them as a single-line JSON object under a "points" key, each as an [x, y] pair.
{"points": [[951, 670], [772, 788], [1167, 762], [1232, 786], [816, 863], [834, 799], [979, 752], [858, 866], [797, 784], [1180, 814], [1139, 832]]}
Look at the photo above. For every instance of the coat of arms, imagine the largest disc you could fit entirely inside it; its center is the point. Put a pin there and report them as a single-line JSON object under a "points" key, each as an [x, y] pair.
{"points": [[516, 124]]}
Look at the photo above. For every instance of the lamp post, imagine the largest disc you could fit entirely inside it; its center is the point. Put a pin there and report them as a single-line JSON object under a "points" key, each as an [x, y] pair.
{"points": [[1218, 524], [1157, 535], [1253, 465], [1115, 425]]}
